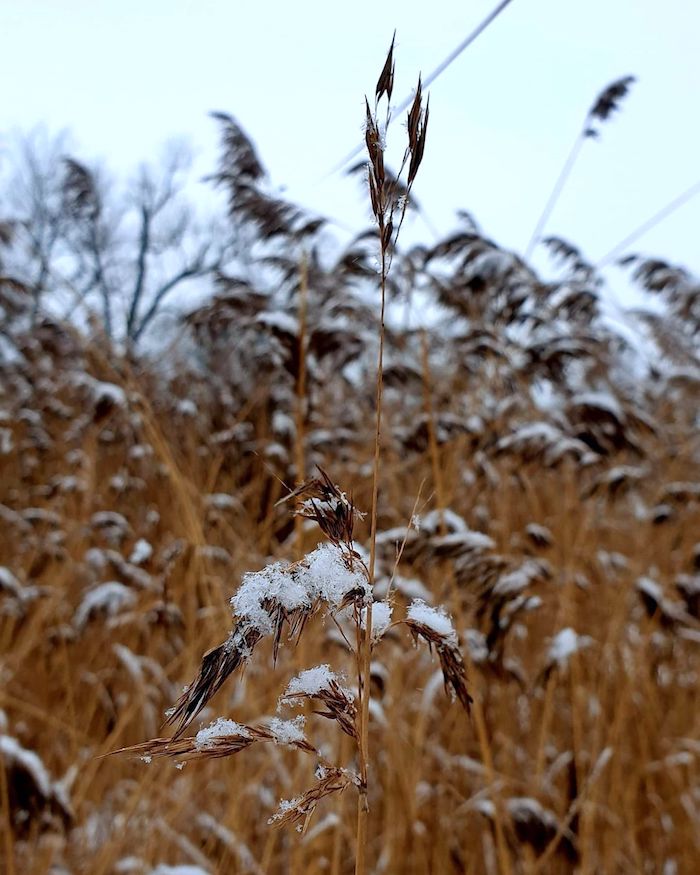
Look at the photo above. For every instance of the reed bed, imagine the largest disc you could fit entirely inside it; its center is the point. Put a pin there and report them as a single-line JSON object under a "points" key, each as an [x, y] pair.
{"points": [[465, 625]]}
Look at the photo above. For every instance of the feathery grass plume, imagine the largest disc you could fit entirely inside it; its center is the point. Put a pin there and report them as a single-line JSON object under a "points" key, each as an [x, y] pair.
{"points": [[268, 601], [675, 285], [571, 257], [395, 191], [534, 825], [301, 808], [30, 789], [602, 109], [81, 197], [322, 684], [320, 500], [385, 83], [250, 202], [279, 596], [217, 665], [417, 130], [435, 627], [285, 596], [238, 156], [607, 102], [383, 208]]}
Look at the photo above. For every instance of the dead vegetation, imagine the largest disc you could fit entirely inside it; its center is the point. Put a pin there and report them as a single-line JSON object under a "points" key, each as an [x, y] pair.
{"points": [[539, 477]]}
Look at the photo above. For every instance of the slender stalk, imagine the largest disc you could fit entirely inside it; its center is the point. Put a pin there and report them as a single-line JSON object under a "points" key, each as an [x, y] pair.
{"points": [[7, 817], [299, 461], [504, 861], [555, 194], [383, 207], [432, 435], [601, 110], [366, 641], [650, 223]]}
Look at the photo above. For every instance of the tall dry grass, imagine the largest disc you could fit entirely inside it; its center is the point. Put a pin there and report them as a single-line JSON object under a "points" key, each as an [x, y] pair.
{"points": [[563, 542], [602, 742]]}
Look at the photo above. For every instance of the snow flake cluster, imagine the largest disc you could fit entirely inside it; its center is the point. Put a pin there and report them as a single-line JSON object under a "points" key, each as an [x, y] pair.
{"points": [[435, 619], [324, 575], [311, 681], [220, 728]]}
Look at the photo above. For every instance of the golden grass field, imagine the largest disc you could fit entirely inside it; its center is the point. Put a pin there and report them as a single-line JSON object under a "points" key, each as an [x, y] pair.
{"points": [[605, 743], [534, 474]]}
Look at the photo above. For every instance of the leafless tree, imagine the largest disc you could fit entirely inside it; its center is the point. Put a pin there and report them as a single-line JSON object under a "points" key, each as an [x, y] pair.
{"points": [[125, 250], [33, 203]]}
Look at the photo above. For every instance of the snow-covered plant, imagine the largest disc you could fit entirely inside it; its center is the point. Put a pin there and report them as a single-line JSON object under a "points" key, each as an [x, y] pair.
{"points": [[334, 578], [278, 602]]}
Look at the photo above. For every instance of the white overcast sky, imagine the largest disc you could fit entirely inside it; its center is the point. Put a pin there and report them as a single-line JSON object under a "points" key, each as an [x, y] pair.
{"points": [[125, 75]]}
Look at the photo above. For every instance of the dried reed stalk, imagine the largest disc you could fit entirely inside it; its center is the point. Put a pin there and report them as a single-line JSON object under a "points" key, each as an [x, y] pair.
{"points": [[384, 205], [301, 401], [603, 107]]}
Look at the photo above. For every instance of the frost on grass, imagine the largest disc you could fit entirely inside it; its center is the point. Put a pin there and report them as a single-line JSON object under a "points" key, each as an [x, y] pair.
{"points": [[267, 601], [141, 552], [223, 738], [435, 627], [519, 578], [533, 824], [31, 783], [28, 761], [671, 613], [222, 501], [19, 594], [323, 684], [219, 728], [311, 681], [435, 619], [299, 810], [566, 643], [181, 869], [409, 587], [325, 575], [434, 520], [545, 441], [381, 619], [288, 731], [108, 598], [102, 393], [562, 647], [110, 519]]}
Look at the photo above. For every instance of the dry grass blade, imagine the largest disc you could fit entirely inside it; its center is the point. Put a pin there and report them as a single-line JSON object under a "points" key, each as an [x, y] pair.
{"points": [[338, 702], [451, 660], [609, 100], [375, 173], [217, 665], [321, 500], [187, 748], [239, 158], [209, 744], [418, 127], [331, 780], [414, 115], [385, 83]]}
